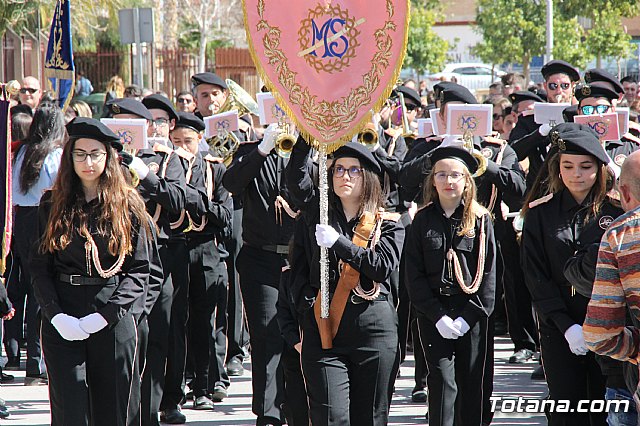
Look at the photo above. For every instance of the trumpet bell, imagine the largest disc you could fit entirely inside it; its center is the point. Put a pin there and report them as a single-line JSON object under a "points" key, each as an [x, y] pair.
{"points": [[368, 136], [482, 163], [224, 147], [284, 145]]}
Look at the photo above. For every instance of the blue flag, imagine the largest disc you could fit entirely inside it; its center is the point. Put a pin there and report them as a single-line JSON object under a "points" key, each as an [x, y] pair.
{"points": [[59, 70]]}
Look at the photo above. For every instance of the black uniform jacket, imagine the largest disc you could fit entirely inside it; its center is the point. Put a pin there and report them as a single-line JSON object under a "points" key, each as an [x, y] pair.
{"points": [[527, 142], [554, 231], [163, 187], [431, 283], [391, 165], [507, 177], [260, 180], [46, 267], [374, 264]]}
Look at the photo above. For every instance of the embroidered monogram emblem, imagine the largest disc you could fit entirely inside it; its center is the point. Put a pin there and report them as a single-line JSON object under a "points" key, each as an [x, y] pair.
{"points": [[605, 221], [154, 167], [619, 159]]}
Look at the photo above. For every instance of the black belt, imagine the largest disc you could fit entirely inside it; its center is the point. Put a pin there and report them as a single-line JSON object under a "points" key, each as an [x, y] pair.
{"points": [[273, 248], [449, 291], [356, 300], [82, 280]]}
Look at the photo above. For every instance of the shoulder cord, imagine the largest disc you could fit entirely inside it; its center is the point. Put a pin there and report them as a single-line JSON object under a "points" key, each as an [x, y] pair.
{"points": [[494, 190], [477, 280], [197, 227], [183, 213], [163, 173], [375, 291], [91, 250]]}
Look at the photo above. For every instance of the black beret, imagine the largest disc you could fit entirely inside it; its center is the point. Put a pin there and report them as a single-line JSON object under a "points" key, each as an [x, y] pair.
{"points": [[82, 127], [598, 74], [594, 90], [524, 95], [361, 152], [439, 87], [580, 139], [160, 102], [408, 93], [457, 153], [569, 112], [540, 92], [128, 106], [208, 78], [456, 93], [557, 67], [190, 121]]}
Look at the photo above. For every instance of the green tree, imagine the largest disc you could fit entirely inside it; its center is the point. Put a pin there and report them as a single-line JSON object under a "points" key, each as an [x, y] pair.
{"points": [[512, 31], [426, 51], [607, 37], [568, 41], [14, 14]]}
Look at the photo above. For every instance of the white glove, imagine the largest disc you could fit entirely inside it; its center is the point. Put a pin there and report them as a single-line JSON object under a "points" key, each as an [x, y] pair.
{"points": [[447, 328], [451, 140], [139, 167], [544, 129], [68, 327], [575, 338], [461, 324], [93, 323], [269, 139], [326, 236]]}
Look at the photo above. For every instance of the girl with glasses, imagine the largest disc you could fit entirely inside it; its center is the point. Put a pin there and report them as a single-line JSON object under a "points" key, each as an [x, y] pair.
{"points": [[451, 277], [90, 270], [350, 374]]}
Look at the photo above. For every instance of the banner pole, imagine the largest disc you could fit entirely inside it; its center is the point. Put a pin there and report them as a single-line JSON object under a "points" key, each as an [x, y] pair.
{"points": [[324, 220]]}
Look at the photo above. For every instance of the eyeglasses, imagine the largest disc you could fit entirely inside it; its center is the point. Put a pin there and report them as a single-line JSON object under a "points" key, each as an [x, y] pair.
{"points": [[589, 109], [411, 107], [354, 171], [444, 176], [497, 116], [29, 90], [563, 86], [184, 100], [160, 122], [81, 156]]}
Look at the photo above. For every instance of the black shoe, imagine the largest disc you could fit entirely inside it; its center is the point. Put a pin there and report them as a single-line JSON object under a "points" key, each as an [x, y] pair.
{"points": [[36, 379], [6, 378], [521, 356], [202, 403], [419, 395], [538, 374], [173, 416], [219, 393], [12, 364], [235, 368]]}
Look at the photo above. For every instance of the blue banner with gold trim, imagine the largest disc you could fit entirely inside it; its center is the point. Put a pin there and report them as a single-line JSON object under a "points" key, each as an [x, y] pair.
{"points": [[59, 70]]}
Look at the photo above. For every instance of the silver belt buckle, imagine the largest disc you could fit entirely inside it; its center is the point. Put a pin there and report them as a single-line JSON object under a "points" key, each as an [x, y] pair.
{"points": [[71, 279], [356, 300]]}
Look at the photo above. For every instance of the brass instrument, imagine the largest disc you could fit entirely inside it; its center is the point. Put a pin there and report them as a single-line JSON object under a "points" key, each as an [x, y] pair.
{"points": [[467, 140], [407, 133], [368, 136], [285, 140], [225, 143]]}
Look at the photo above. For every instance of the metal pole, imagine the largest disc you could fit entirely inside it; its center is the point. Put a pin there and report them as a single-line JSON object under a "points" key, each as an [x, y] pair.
{"points": [[136, 39], [549, 51]]}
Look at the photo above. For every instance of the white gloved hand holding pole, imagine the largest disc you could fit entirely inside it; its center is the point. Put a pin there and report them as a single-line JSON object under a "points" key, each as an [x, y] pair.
{"points": [[326, 236]]}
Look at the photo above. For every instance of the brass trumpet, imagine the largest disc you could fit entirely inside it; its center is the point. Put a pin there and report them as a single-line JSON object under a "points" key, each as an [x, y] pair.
{"points": [[368, 136], [407, 133], [285, 142], [467, 139]]}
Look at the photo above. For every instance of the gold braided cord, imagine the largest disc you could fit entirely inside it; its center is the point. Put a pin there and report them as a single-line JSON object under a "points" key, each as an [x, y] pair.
{"points": [[477, 280], [370, 80], [95, 256]]}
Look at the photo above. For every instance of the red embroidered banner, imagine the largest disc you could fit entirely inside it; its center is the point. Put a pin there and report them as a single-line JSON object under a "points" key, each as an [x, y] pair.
{"points": [[328, 63]]}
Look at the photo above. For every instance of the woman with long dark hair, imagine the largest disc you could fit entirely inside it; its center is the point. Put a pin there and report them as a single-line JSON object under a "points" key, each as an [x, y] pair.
{"points": [[573, 214], [90, 266], [350, 360], [35, 167]]}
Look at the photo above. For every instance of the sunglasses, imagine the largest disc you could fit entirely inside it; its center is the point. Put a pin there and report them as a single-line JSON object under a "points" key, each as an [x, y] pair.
{"points": [[563, 86], [184, 101], [29, 90], [590, 109], [354, 171]]}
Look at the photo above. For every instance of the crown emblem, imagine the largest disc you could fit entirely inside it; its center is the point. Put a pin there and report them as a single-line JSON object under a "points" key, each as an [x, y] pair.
{"points": [[586, 90], [115, 108]]}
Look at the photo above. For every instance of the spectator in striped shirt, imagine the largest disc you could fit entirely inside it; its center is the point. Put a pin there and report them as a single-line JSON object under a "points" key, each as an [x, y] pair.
{"points": [[616, 286]]}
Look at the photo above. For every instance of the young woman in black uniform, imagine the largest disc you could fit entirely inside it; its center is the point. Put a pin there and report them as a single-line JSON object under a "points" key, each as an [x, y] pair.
{"points": [[451, 280], [90, 265], [352, 382], [575, 213]]}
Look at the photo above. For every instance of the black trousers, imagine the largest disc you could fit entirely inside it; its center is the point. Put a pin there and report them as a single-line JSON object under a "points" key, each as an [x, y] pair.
{"points": [[259, 280], [352, 383], [522, 327], [177, 353], [91, 382], [420, 368], [24, 236], [456, 373], [296, 407], [237, 337], [135, 405], [570, 377], [207, 316]]}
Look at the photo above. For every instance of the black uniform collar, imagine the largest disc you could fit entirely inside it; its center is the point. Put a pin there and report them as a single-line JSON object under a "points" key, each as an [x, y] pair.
{"points": [[568, 203], [457, 214]]}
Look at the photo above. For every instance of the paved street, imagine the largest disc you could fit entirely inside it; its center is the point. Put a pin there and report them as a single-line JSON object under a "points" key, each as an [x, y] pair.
{"points": [[29, 404]]}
